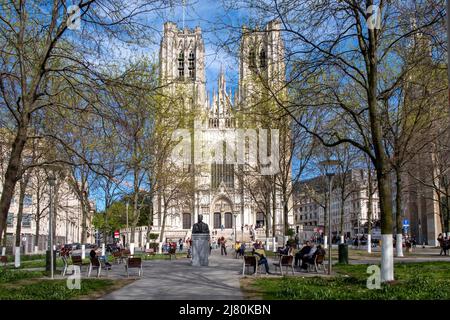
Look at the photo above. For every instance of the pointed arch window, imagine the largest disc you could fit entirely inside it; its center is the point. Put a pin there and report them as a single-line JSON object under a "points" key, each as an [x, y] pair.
{"points": [[181, 64], [252, 58], [228, 220], [191, 64], [262, 58], [187, 221]]}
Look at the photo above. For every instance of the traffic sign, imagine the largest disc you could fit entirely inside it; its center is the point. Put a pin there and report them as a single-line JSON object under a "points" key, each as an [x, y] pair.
{"points": [[116, 234], [406, 223]]}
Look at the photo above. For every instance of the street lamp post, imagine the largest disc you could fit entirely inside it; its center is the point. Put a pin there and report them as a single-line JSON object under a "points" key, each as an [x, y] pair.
{"points": [[51, 182], [235, 223], [330, 177], [329, 165], [127, 226]]}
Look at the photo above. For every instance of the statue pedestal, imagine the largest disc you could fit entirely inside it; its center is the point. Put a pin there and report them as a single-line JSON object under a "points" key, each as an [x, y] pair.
{"points": [[200, 249]]}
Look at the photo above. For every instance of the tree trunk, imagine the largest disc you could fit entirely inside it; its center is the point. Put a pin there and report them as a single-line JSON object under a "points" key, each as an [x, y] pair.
{"points": [[341, 225], [267, 217], [387, 258], [163, 224], [274, 208], [84, 214], [38, 222], [285, 213], [20, 213], [381, 162], [12, 172], [398, 212], [37, 217], [55, 211], [370, 202], [136, 213]]}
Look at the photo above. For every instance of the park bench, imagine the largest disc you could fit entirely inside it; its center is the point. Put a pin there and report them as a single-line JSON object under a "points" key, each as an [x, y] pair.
{"points": [[171, 252], [134, 263], [78, 261], [285, 261], [4, 260], [318, 262], [250, 261], [118, 258]]}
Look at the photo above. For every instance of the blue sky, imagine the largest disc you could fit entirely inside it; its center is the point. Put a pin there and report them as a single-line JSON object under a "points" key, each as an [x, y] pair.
{"points": [[218, 24], [214, 22]]}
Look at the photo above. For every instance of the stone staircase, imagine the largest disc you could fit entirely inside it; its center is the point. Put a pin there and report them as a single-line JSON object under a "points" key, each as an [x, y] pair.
{"points": [[175, 235]]}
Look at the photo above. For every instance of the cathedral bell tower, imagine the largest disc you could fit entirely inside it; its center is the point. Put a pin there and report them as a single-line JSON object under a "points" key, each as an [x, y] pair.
{"points": [[182, 64]]}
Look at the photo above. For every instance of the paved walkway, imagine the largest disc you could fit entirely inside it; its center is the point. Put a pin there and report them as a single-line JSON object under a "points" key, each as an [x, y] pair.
{"points": [[177, 279]]}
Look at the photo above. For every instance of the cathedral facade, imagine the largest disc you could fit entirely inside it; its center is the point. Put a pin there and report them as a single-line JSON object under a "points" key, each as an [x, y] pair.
{"points": [[222, 190]]}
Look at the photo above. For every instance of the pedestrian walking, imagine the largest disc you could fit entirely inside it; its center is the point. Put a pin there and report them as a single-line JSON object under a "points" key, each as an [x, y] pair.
{"points": [[223, 246]]}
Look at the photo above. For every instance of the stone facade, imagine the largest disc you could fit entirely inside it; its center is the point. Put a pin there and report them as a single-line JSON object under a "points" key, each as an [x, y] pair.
{"points": [[310, 206], [217, 189]]}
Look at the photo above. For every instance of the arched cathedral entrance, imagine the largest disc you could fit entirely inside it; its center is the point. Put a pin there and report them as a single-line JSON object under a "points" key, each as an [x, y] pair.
{"points": [[222, 209]]}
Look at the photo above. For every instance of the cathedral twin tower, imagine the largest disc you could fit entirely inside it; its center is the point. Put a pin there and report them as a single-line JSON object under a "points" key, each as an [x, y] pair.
{"points": [[217, 192]]}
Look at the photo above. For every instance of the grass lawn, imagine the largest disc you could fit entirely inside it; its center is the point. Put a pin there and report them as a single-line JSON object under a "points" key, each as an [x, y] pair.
{"points": [[427, 280], [26, 285]]}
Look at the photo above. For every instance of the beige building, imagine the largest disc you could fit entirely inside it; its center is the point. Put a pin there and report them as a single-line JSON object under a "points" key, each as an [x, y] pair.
{"points": [[68, 218], [309, 207], [67, 224]]}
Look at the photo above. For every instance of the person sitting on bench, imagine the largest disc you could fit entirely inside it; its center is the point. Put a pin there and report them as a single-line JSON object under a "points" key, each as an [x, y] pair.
{"points": [[285, 249], [262, 259], [309, 258], [242, 250], [303, 251]]}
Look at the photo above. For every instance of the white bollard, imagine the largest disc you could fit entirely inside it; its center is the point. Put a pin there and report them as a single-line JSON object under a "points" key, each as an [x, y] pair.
{"points": [[325, 242], [17, 257], [4, 251], [342, 239], [369, 243], [103, 250], [83, 251], [147, 246], [132, 248], [274, 241]]}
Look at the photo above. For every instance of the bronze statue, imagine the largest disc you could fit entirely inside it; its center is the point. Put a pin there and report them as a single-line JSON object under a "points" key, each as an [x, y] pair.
{"points": [[200, 226]]}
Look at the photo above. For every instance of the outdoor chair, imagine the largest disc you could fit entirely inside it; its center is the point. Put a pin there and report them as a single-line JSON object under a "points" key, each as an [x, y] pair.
{"points": [[118, 258], [77, 261], [95, 264], [285, 261], [66, 264], [250, 261], [172, 252], [134, 263], [125, 253], [318, 263]]}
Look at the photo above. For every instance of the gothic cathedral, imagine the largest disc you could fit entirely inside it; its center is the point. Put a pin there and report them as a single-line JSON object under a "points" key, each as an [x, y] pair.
{"points": [[228, 195]]}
